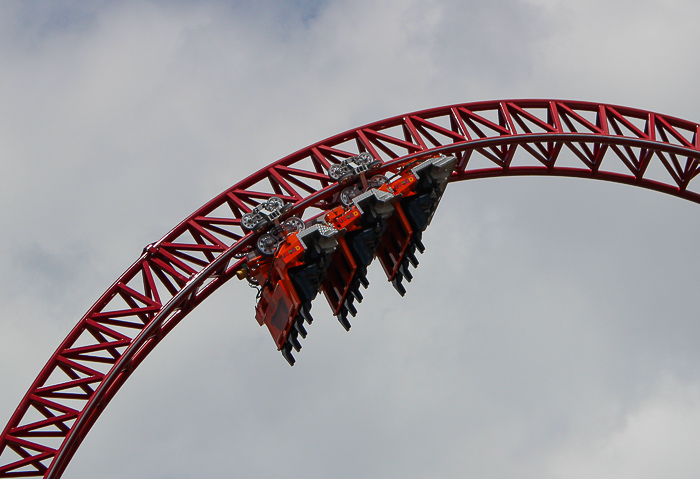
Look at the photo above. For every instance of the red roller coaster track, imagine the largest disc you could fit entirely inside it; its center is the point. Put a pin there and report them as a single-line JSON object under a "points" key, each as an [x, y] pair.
{"points": [[173, 275]]}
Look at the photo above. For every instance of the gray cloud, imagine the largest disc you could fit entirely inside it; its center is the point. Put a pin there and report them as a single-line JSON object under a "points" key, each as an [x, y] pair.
{"points": [[550, 331]]}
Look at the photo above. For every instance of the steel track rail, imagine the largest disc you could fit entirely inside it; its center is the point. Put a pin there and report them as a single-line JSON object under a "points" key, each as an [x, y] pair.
{"points": [[175, 274]]}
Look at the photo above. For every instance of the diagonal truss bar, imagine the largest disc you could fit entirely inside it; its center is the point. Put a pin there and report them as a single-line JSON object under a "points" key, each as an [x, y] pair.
{"points": [[175, 274]]}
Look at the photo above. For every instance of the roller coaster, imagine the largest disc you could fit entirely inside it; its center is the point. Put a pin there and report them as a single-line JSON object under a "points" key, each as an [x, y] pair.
{"points": [[313, 222]]}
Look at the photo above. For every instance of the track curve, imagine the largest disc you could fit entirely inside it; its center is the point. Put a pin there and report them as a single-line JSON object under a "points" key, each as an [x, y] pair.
{"points": [[175, 274]]}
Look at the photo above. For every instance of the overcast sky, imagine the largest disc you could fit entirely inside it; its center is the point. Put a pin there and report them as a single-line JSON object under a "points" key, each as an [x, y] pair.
{"points": [[551, 331]]}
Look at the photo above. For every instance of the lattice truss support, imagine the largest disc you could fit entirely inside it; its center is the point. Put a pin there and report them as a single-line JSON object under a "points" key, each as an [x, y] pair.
{"points": [[175, 274]]}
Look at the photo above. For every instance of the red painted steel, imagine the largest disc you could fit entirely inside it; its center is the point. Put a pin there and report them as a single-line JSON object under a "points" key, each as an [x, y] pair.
{"points": [[175, 274]]}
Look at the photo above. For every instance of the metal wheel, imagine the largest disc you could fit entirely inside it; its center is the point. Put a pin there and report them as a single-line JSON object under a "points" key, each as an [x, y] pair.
{"points": [[267, 244], [335, 172], [348, 194], [377, 181], [364, 158], [249, 220], [293, 224], [274, 203]]}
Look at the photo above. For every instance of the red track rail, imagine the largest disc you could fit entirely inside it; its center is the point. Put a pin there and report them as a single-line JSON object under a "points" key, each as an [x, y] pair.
{"points": [[175, 274]]}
